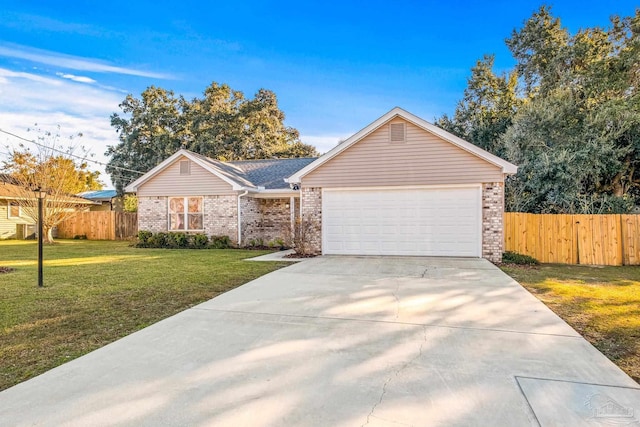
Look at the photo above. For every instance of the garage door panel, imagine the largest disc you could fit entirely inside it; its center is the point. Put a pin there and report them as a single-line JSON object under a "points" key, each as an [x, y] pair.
{"points": [[431, 222]]}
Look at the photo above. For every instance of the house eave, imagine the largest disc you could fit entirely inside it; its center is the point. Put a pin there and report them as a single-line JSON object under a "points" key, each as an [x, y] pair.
{"points": [[273, 193]]}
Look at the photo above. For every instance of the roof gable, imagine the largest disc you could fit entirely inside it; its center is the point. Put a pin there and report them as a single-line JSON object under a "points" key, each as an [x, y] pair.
{"points": [[221, 170], [506, 167]]}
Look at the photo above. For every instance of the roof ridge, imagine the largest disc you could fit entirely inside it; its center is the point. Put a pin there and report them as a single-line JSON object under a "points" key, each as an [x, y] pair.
{"points": [[267, 160]]}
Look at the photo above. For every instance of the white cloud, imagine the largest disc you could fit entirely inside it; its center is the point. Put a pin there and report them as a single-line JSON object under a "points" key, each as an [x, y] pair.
{"points": [[52, 102], [72, 62], [30, 92], [80, 79], [323, 143]]}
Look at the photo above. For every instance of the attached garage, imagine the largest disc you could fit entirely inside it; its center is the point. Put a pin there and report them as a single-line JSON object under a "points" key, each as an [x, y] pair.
{"points": [[402, 186], [444, 221]]}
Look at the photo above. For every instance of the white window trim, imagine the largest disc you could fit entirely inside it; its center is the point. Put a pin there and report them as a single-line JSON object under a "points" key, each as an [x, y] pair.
{"points": [[185, 213], [9, 216]]}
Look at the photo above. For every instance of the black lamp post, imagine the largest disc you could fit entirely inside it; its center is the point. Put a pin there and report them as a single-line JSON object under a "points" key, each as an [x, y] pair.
{"points": [[41, 194]]}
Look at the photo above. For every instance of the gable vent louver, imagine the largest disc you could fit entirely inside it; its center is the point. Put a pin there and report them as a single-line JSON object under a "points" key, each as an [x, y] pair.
{"points": [[185, 167], [397, 132]]}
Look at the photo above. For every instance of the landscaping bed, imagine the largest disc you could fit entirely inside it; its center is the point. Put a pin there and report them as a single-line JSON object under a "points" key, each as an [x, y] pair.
{"points": [[98, 291], [601, 303]]}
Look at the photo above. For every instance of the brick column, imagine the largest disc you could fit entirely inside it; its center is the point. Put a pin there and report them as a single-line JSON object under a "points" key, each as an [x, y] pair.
{"points": [[492, 221], [311, 199]]}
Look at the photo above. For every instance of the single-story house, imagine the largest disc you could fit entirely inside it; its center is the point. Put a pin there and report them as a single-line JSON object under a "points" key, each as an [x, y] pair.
{"points": [[400, 186], [106, 200], [15, 223]]}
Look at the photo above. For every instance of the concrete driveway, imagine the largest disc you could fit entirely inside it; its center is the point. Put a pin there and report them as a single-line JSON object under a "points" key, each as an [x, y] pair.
{"points": [[344, 341]]}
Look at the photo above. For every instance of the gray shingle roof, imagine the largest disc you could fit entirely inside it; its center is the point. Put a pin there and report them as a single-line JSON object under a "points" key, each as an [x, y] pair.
{"points": [[227, 169], [270, 173]]}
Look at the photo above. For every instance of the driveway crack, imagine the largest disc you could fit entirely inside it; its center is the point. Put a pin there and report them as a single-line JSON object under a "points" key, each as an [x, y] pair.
{"points": [[395, 375]]}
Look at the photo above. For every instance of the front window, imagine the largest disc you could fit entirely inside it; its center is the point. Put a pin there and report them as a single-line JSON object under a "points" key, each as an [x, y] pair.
{"points": [[14, 210], [185, 213]]}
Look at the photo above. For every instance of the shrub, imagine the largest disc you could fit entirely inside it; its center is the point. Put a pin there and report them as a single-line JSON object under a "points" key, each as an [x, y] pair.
{"points": [[521, 259], [158, 240], [177, 240], [199, 241], [300, 235], [277, 243], [180, 240], [256, 243], [220, 242], [143, 238]]}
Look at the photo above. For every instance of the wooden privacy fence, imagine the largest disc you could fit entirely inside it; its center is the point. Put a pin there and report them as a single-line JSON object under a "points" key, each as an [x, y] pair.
{"points": [[574, 239], [106, 225]]}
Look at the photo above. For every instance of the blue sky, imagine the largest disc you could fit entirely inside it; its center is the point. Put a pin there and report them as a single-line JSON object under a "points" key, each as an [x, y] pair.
{"points": [[335, 66]]}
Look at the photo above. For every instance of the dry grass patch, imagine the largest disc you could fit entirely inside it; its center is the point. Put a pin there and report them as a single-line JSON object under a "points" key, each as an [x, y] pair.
{"points": [[601, 303], [97, 292]]}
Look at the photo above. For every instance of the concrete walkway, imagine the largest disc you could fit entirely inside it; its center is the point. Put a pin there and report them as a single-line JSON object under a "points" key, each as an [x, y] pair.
{"points": [[344, 341]]}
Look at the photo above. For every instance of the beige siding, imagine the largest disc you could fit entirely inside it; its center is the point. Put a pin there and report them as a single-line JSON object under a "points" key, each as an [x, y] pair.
{"points": [[8, 225], [424, 159], [199, 182]]}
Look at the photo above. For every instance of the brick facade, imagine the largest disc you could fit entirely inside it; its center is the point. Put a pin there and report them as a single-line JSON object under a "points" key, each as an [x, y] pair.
{"points": [[220, 215], [265, 219], [312, 213], [152, 213], [492, 221]]}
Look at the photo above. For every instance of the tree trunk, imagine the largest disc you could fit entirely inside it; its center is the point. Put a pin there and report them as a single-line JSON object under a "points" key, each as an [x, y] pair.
{"points": [[47, 235]]}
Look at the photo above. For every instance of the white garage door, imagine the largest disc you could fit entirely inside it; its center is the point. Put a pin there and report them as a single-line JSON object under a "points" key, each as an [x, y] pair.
{"points": [[428, 222]]}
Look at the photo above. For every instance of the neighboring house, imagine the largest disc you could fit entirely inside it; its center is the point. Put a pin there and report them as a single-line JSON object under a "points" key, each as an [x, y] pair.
{"points": [[14, 222], [400, 186], [106, 200]]}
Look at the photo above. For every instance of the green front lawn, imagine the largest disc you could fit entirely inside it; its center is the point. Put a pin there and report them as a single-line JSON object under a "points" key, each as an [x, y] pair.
{"points": [[97, 292], [601, 303]]}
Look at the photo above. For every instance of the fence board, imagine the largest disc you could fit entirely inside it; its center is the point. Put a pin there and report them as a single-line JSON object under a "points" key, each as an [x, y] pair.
{"points": [[574, 239], [630, 225], [102, 225]]}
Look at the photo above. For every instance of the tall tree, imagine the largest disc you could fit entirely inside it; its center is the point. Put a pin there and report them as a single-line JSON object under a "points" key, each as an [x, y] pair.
{"points": [[221, 124], [153, 128], [537, 48], [578, 140], [56, 171], [574, 121], [487, 107]]}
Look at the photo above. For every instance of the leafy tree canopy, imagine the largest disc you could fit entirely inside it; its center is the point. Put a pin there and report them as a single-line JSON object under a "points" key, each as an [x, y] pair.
{"points": [[221, 124], [568, 115]]}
